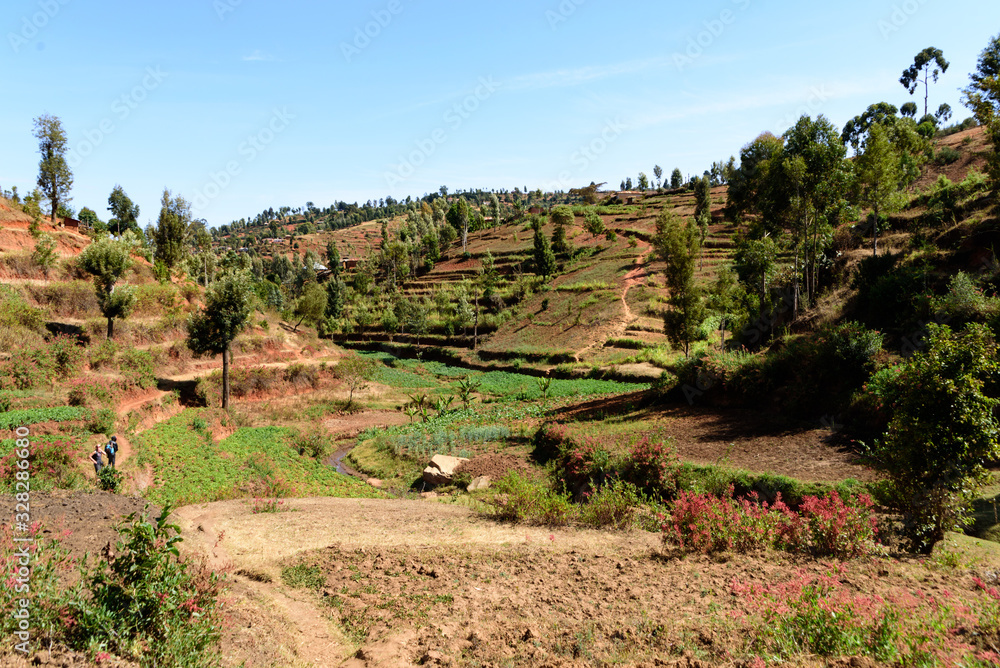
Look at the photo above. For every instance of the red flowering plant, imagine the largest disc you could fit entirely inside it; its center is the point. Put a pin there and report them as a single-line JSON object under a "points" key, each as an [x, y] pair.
{"points": [[823, 526], [53, 464], [652, 466]]}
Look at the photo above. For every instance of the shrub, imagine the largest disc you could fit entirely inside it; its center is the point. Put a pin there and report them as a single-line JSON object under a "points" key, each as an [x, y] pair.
{"points": [[965, 302], [53, 465], [102, 421], [947, 155], [109, 479], [15, 312], [103, 355], [302, 375], [314, 443], [262, 479], [822, 527], [266, 506], [521, 501], [614, 505], [162, 608], [815, 615], [942, 431], [73, 299], [652, 466], [136, 366], [29, 368]]}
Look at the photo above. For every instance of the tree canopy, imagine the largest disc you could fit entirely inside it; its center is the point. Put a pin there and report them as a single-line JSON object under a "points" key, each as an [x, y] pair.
{"points": [[929, 63], [229, 302], [124, 212], [108, 261], [172, 229]]}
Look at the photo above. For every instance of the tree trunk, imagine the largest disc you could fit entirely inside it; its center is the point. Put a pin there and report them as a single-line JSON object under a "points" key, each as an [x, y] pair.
{"points": [[722, 331], [475, 326], [225, 378], [875, 232], [927, 90], [795, 285], [111, 328]]}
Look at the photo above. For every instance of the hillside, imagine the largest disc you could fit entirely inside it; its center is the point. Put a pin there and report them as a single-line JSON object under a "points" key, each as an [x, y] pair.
{"points": [[613, 501]]}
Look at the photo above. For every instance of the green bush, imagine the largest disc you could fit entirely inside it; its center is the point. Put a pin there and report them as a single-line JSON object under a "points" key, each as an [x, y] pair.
{"points": [[102, 421], [942, 431], [28, 368], [103, 355], [519, 500], [946, 156], [314, 443], [613, 506], [109, 479], [162, 608], [137, 367], [15, 312], [965, 302], [54, 464]]}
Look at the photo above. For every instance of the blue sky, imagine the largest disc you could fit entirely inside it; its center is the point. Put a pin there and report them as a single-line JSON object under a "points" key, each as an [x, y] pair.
{"points": [[239, 105]]}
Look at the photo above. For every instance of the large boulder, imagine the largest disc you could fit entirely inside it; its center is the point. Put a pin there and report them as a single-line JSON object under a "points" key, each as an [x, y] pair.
{"points": [[441, 469]]}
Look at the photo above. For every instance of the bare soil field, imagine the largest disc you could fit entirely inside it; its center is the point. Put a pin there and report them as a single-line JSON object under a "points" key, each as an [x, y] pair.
{"points": [[741, 438]]}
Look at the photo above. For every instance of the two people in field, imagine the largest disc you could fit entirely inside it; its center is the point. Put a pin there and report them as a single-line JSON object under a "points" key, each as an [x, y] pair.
{"points": [[110, 449]]}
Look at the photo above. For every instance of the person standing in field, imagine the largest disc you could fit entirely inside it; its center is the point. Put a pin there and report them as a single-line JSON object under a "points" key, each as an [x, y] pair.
{"points": [[111, 449], [95, 457]]}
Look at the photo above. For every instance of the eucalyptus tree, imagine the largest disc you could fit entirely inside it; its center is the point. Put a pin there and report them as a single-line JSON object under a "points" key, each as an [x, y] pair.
{"points": [[929, 64]]}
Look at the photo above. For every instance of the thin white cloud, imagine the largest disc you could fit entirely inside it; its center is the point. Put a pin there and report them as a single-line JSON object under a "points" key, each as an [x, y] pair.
{"points": [[786, 96], [582, 75], [259, 56]]}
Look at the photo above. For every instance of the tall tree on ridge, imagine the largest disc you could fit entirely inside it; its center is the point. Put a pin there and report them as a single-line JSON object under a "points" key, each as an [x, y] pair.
{"points": [[54, 176], [922, 65]]}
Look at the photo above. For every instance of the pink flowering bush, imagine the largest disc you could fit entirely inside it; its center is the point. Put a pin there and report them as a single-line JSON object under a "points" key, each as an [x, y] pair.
{"points": [[53, 465], [822, 526], [818, 614]]}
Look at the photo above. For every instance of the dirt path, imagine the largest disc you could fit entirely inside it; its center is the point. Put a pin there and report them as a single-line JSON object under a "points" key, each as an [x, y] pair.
{"points": [[616, 327], [255, 548], [208, 370]]}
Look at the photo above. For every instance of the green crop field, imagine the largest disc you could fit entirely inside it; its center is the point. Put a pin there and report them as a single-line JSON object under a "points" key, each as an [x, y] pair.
{"points": [[26, 417], [190, 468]]}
